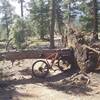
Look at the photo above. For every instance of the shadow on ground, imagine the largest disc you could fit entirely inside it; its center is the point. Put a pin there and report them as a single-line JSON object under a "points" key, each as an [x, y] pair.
{"points": [[58, 82], [8, 92], [70, 88], [26, 71]]}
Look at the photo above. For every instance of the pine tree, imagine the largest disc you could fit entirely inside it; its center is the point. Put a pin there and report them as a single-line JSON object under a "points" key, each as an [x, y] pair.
{"points": [[7, 15]]}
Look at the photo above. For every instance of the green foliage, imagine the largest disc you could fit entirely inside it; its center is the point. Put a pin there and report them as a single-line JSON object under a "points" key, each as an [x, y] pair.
{"points": [[86, 20], [18, 32], [39, 14], [71, 9], [6, 11], [39, 20], [19, 38], [87, 23]]}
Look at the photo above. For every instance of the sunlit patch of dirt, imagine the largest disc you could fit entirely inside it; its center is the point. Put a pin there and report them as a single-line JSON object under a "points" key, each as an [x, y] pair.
{"points": [[18, 84]]}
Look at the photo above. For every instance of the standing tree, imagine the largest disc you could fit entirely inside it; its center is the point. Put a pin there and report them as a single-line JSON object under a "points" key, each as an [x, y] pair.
{"points": [[39, 15], [98, 16], [7, 15], [95, 11], [56, 15], [89, 19], [17, 31], [53, 16], [21, 7]]}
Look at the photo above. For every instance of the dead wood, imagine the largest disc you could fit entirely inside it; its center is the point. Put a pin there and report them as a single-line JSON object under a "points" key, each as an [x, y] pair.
{"points": [[80, 78], [29, 54], [94, 50]]}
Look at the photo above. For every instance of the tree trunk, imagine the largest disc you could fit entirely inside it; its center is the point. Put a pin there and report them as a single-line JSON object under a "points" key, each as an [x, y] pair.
{"points": [[21, 1], [95, 10], [7, 29], [42, 22], [52, 24], [60, 21], [69, 16]]}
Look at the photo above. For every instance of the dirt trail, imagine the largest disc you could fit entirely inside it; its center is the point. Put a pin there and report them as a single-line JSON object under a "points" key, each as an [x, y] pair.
{"points": [[19, 85]]}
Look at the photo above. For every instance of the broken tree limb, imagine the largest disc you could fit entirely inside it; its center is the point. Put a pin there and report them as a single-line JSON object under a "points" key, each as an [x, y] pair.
{"points": [[94, 50]]}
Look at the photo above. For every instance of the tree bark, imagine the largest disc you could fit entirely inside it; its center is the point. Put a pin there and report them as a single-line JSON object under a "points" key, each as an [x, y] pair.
{"points": [[95, 10], [31, 54], [21, 1], [7, 30], [52, 24]]}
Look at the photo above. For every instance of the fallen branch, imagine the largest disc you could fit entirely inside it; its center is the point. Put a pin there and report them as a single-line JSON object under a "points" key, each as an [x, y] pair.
{"points": [[94, 50]]}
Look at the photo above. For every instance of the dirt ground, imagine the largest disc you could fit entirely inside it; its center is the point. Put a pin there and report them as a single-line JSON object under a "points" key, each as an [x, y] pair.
{"points": [[18, 84]]}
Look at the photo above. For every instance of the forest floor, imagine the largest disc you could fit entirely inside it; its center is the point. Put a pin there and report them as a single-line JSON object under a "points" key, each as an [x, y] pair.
{"points": [[18, 84]]}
